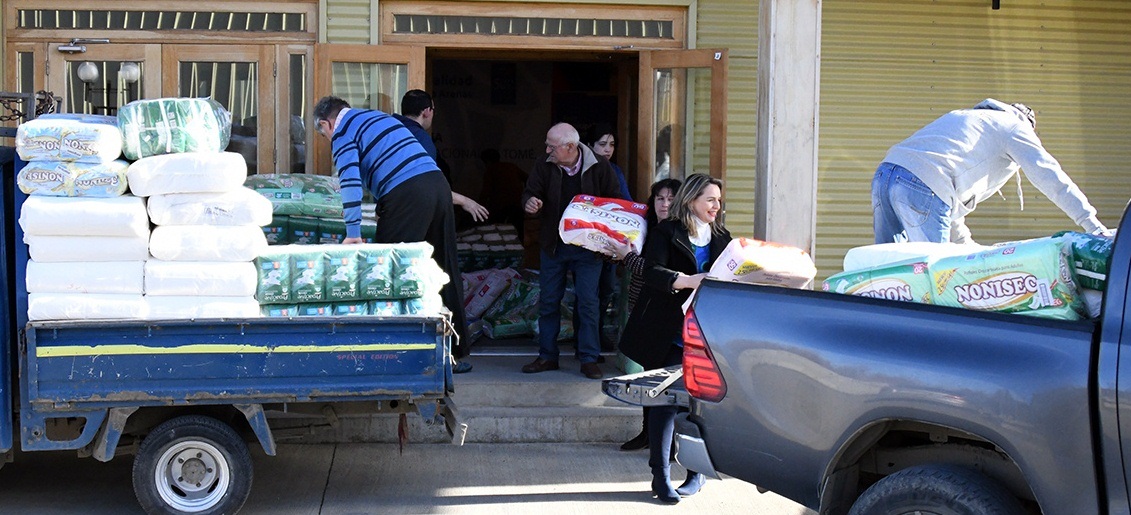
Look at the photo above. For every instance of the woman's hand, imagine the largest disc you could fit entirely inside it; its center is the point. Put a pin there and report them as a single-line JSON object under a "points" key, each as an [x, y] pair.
{"points": [[683, 282], [616, 249], [477, 211]]}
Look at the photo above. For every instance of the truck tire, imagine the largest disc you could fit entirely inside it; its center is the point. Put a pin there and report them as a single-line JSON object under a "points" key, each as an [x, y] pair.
{"points": [[192, 464], [938, 490]]}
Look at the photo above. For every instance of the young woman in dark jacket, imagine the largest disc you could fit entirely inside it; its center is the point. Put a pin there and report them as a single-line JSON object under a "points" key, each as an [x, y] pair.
{"points": [[678, 253]]}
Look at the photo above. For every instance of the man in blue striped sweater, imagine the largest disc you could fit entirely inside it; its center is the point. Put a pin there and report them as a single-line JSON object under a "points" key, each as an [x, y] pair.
{"points": [[372, 150]]}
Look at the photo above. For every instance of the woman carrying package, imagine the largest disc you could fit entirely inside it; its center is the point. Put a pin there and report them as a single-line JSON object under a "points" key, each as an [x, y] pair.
{"points": [[678, 253]]}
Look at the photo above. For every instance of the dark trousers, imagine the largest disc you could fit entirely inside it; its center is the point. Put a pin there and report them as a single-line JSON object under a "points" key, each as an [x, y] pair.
{"points": [[586, 267], [420, 209], [661, 422]]}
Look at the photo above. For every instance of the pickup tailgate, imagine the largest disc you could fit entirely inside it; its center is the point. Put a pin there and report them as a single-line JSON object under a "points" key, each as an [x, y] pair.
{"points": [[71, 365]]}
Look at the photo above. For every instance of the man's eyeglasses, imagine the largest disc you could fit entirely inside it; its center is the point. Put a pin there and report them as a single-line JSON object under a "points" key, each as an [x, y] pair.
{"points": [[551, 148]]}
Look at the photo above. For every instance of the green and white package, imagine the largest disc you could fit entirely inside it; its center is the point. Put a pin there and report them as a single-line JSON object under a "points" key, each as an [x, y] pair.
{"points": [[172, 126], [1090, 255], [342, 272], [375, 277], [410, 269], [279, 310], [278, 232], [1032, 277], [308, 282], [315, 310], [331, 231], [908, 281], [304, 230], [385, 307], [351, 308], [274, 278]]}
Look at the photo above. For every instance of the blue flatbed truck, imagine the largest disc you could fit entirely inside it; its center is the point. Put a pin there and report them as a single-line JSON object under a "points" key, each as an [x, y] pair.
{"points": [[187, 395]]}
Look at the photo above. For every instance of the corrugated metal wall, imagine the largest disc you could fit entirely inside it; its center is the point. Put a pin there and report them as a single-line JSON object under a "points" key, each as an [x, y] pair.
{"points": [[349, 21], [733, 24], [891, 66]]}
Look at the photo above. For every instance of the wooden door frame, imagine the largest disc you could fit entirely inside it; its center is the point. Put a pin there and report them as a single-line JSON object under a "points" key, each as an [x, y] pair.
{"points": [[264, 55], [325, 54], [150, 54], [651, 60]]}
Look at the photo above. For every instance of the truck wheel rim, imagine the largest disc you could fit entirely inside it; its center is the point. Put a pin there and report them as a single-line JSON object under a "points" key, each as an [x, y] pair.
{"points": [[192, 476]]}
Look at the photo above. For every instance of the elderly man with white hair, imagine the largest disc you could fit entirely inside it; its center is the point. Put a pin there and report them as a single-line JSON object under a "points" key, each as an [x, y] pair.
{"points": [[569, 169]]}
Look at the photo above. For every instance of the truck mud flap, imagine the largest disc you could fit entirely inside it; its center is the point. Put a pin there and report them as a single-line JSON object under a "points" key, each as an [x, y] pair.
{"points": [[659, 387], [445, 411]]}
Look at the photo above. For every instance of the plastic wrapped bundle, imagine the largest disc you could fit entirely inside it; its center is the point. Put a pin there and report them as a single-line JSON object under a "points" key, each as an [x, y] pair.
{"points": [[753, 261], [85, 306], [191, 307], [57, 216], [124, 277], [591, 222], [173, 125], [69, 137], [909, 281], [194, 172], [204, 278], [207, 242], [73, 178], [241, 206]]}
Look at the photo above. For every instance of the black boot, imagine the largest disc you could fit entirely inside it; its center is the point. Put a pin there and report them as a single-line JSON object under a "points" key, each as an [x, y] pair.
{"points": [[637, 442], [692, 484], [662, 485]]}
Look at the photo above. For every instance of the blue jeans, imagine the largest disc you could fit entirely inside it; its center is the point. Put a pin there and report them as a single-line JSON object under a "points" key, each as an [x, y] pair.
{"points": [[586, 267], [905, 209]]}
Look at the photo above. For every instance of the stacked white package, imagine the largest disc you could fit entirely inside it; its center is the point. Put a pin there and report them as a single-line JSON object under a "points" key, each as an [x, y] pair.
{"points": [[87, 257], [208, 233]]}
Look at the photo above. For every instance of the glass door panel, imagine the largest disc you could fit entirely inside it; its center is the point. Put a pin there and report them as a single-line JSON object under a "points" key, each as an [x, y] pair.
{"points": [[104, 77], [238, 82], [682, 114], [295, 100], [366, 76]]}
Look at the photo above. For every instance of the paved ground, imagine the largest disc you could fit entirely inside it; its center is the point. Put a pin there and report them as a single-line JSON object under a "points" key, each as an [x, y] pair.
{"points": [[354, 479]]}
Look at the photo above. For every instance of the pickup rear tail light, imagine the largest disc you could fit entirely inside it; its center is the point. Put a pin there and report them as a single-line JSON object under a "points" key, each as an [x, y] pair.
{"points": [[700, 372]]}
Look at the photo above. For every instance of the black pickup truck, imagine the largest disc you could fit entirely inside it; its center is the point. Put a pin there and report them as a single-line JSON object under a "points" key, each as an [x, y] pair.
{"points": [[856, 405]]}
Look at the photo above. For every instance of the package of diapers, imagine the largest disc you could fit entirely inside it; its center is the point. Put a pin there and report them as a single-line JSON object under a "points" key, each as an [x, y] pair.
{"points": [[85, 277], [69, 137], [73, 178], [279, 310], [204, 278], [173, 125], [85, 306], [57, 249], [351, 308], [375, 272], [342, 273], [1090, 255], [299, 194], [196, 172], [591, 222], [413, 269], [1033, 277], [883, 254], [909, 281], [273, 271], [385, 307], [207, 242], [753, 261], [176, 307], [308, 275], [240, 206], [74, 216]]}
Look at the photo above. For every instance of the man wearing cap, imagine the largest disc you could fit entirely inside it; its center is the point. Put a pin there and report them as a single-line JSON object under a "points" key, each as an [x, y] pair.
{"points": [[929, 182]]}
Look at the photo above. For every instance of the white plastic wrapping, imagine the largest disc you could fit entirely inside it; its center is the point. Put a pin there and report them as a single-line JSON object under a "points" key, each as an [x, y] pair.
{"points": [[753, 261], [220, 279], [241, 206], [883, 254], [207, 242], [85, 306], [69, 137], [55, 249], [192, 172], [591, 222], [66, 216], [85, 277], [186, 307]]}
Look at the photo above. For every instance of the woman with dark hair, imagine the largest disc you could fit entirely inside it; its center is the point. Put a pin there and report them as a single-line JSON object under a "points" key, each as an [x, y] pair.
{"points": [[678, 253], [659, 207], [601, 139]]}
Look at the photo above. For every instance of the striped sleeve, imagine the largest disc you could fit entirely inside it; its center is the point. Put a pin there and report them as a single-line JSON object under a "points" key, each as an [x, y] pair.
{"points": [[349, 175]]}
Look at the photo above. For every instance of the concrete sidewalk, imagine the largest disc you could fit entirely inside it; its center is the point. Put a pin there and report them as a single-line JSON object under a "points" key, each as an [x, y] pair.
{"points": [[348, 479]]}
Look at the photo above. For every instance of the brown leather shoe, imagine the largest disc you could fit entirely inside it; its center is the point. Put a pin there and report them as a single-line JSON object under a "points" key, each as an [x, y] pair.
{"points": [[539, 365], [591, 370]]}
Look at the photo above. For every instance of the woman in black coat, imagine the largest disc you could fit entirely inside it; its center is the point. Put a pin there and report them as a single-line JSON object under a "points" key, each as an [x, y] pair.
{"points": [[678, 253]]}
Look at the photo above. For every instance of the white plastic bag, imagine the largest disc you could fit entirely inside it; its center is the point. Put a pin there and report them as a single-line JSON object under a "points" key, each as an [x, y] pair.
{"points": [[590, 222], [202, 278], [192, 172], [241, 206], [753, 261], [85, 277], [207, 242], [84, 216]]}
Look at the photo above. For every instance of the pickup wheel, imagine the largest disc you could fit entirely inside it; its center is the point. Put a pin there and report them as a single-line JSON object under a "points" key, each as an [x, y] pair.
{"points": [[192, 464], [938, 490]]}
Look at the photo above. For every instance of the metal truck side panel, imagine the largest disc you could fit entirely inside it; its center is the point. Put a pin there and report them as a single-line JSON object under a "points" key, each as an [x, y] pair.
{"points": [[1113, 362], [837, 363]]}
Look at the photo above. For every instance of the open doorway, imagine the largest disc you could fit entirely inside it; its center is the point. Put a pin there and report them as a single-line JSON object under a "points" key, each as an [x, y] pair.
{"points": [[505, 101]]}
